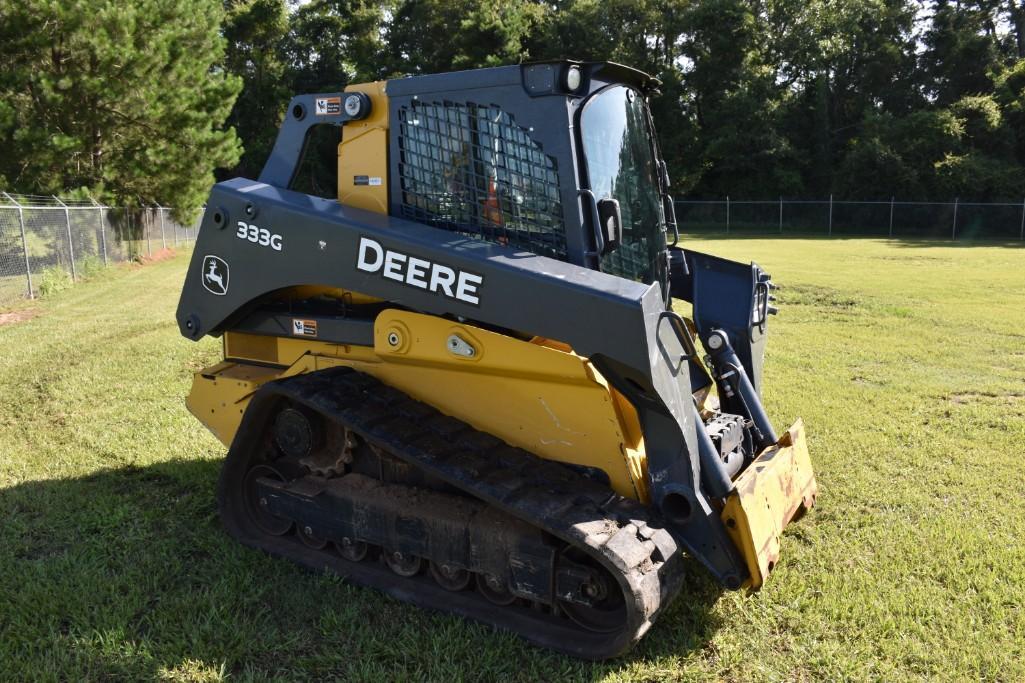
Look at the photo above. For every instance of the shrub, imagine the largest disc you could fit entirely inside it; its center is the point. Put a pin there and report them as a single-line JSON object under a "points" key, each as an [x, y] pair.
{"points": [[90, 266], [52, 280]]}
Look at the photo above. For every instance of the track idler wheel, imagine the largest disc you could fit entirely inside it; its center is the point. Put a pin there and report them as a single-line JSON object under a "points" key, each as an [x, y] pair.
{"points": [[607, 609], [450, 577], [495, 589], [257, 506], [403, 564]]}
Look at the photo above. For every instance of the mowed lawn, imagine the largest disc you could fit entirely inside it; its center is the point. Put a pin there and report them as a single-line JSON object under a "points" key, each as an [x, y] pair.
{"points": [[905, 359]]}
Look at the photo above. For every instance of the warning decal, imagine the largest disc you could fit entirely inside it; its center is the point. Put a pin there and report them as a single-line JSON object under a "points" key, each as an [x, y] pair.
{"points": [[304, 328], [328, 106]]}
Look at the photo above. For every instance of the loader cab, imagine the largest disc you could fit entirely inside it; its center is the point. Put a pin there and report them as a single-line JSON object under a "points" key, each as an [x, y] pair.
{"points": [[558, 159]]}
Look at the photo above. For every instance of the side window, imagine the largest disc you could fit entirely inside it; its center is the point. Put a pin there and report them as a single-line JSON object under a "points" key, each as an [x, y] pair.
{"points": [[318, 170], [471, 169]]}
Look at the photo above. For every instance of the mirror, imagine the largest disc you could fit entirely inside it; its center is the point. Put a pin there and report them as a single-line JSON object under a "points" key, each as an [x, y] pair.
{"points": [[611, 219]]}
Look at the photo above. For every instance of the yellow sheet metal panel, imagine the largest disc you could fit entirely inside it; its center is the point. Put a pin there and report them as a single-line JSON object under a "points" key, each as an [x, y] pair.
{"points": [[777, 487], [221, 393], [252, 347], [285, 351], [545, 400], [363, 154], [549, 402]]}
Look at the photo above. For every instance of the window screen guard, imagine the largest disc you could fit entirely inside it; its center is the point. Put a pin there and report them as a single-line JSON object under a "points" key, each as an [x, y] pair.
{"points": [[471, 169]]}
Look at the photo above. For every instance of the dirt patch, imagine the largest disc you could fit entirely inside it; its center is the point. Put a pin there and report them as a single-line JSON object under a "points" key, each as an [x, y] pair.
{"points": [[986, 397], [157, 256], [21, 316]]}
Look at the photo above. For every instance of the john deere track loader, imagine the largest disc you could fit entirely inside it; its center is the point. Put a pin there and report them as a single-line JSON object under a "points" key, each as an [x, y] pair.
{"points": [[463, 382]]}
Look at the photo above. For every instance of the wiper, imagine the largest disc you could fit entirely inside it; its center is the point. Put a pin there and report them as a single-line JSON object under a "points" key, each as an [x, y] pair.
{"points": [[668, 203]]}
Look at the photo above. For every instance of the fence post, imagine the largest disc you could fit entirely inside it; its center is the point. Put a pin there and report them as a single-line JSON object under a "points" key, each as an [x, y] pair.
{"points": [[103, 230], [891, 216], [781, 214], [24, 244], [71, 245], [830, 215], [1021, 235], [727, 214], [163, 237], [953, 228]]}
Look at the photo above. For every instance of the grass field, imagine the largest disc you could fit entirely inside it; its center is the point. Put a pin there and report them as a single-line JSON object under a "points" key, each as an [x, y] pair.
{"points": [[906, 360]]}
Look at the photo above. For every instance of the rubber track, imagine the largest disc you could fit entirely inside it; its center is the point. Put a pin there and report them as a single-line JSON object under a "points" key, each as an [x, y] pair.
{"points": [[617, 532]]}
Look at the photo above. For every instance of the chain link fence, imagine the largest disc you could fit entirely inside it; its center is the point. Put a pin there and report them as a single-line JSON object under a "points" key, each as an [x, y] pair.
{"points": [[47, 239], [935, 220]]}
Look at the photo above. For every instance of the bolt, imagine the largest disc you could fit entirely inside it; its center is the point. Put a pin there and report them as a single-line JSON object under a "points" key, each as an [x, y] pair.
{"points": [[353, 105], [308, 530], [493, 582], [715, 342], [346, 542], [263, 502], [393, 339]]}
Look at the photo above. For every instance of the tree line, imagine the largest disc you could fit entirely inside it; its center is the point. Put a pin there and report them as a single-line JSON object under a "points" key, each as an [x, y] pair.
{"points": [[921, 99]]}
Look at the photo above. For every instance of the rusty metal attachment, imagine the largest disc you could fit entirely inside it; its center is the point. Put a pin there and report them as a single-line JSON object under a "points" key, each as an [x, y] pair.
{"points": [[775, 489]]}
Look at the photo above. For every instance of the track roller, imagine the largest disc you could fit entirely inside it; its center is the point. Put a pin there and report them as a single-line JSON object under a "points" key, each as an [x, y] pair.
{"points": [[353, 551], [450, 577], [403, 564], [495, 589]]}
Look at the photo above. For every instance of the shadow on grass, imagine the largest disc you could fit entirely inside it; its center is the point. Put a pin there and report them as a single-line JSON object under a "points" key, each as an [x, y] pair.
{"points": [[127, 574]]}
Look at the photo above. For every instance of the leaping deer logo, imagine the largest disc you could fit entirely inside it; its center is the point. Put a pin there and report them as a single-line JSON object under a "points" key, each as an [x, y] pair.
{"points": [[215, 275]]}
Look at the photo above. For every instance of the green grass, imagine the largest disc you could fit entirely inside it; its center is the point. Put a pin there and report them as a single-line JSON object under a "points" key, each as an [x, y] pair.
{"points": [[906, 360], [13, 288]]}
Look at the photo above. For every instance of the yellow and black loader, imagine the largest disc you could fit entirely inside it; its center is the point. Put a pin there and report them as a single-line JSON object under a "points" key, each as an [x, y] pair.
{"points": [[462, 382]]}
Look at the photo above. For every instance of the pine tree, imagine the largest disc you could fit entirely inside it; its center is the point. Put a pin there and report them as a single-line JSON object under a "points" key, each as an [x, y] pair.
{"points": [[127, 100], [256, 31]]}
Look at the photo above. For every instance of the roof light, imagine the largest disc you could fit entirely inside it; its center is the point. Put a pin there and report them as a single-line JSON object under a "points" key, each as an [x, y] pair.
{"points": [[573, 78]]}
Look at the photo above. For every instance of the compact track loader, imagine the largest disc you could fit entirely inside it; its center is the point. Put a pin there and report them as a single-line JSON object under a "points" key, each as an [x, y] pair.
{"points": [[462, 382]]}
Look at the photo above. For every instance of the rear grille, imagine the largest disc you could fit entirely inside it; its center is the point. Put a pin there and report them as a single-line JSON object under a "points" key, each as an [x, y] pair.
{"points": [[470, 169]]}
